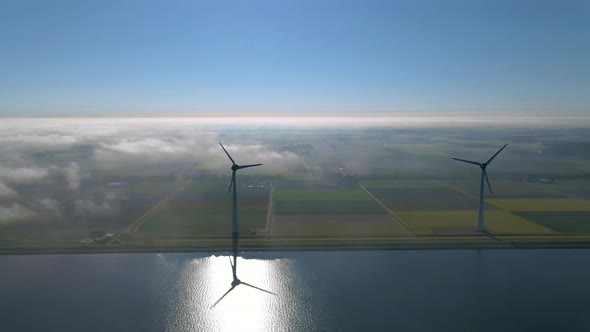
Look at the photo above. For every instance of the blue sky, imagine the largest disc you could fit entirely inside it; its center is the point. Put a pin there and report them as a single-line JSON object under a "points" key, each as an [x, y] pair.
{"points": [[167, 57]]}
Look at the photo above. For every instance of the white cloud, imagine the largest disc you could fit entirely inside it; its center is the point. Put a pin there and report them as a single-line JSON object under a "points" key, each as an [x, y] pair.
{"points": [[146, 146], [254, 153], [6, 191], [29, 175], [87, 207], [272, 155], [49, 205], [165, 150], [36, 140], [72, 175], [22, 174], [111, 196], [15, 212]]}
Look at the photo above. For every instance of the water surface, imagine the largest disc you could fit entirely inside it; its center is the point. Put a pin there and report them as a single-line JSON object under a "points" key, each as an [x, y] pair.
{"points": [[454, 290]]}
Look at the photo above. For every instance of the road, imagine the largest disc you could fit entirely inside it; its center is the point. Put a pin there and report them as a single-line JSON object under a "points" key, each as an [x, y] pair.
{"points": [[308, 169], [134, 227], [398, 219], [269, 215]]}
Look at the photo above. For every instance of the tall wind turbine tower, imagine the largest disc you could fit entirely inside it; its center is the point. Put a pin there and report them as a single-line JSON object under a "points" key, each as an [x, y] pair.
{"points": [[480, 226], [235, 232]]}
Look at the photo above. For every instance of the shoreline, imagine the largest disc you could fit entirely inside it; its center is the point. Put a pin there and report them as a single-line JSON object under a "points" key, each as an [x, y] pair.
{"points": [[317, 248]]}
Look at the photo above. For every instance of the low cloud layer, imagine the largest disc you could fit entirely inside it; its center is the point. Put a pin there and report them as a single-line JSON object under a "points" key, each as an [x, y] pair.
{"points": [[22, 175], [72, 176], [44, 162], [49, 207], [6, 191], [15, 212], [91, 208], [147, 146]]}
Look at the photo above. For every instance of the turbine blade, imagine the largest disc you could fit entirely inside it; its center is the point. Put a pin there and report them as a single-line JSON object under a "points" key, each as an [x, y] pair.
{"points": [[227, 153], [467, 161], [260, 289], [230, 262], [221, 298], [231, 182], [485, 175], [246, 166], [494, 156]]}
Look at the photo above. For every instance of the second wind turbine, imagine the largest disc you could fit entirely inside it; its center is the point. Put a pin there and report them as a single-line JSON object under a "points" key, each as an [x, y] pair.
{"points": [[484, 175]]}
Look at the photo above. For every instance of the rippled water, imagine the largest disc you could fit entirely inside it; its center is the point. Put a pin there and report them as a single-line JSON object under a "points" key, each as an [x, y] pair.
{"points": [[453, 290]]}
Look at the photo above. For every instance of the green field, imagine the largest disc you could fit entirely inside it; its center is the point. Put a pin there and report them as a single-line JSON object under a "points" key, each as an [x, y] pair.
{"points": [[311, 209], [325, 202], [401, 184], [337, 225], [337, 211], [205, 210], [560, 221], [432, 198], [575, 187], [542, 204], [322, 195], [329, 207], [506, 189], [463, 222]]}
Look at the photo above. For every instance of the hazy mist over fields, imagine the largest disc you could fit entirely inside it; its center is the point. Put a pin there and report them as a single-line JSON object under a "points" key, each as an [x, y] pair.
{"points": [[67, 173]]}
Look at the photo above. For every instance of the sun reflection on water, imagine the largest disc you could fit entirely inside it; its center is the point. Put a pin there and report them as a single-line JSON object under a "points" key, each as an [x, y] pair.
{"points": [[203, 281], [244, 308]]}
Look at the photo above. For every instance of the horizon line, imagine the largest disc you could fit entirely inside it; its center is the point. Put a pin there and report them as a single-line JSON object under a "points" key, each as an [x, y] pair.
{"points": [[385, 114]]}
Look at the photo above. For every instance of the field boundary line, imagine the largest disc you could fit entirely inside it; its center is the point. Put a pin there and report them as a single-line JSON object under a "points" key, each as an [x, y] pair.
{"points": [[459, 190], [395, 216], [269, 215], [485, 233], [553, 190], [307, 166], [134, 227]]}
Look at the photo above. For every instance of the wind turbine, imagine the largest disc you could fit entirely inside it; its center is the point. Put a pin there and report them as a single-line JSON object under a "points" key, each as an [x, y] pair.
{"points": [[235, 232], [484, 174]]}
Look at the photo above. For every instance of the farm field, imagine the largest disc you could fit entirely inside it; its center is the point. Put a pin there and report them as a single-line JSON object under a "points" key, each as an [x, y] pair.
{"points": [[560, 221], [205, 210], [421, 196], [542, 204], [571, 187], [463, 222], [325, 202], [396, 184], [337, 225], [314, 210], [505, 189]]}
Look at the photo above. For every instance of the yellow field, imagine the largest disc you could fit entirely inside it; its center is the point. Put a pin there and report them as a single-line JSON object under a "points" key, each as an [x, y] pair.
{"points": [[336, 225], [463, 222], [541, 204]]}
